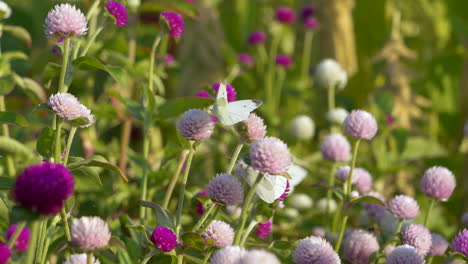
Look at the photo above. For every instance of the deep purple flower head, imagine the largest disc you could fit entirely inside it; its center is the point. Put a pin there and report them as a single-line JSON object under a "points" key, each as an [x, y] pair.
{"points": [[43, 188], [315, 250], [226, 189], [257, 37], [203, 94], [195, 124], [270, 155], [404, 207], [311, 23], [164, 239], [221, 234], [439, 245], [264, 229], [283, 60], [228, 255], [335, 147], [231, 92], [307, 11], [252, 129], [118, 11], [285, 15], [22, 241], [438, 182], [245, 59], [405, 254], [200, 209], [65, 20], [418, 236], [174, 23], [364, 182], [359, 246], [285, 193], [360, 124], [5, 253], [460, 242]]}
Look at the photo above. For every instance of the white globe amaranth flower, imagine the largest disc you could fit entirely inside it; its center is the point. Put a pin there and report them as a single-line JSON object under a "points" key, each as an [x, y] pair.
{"points": [[322, 205], [330, 74], [300, 201], [65, 20], [302, 127], [80, 259], [90, 233], [5, 10], [337, 116], [69, 108]]}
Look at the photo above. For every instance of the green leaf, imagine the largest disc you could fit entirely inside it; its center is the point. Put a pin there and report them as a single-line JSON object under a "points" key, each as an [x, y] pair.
{"points": [[178, 106], [385, 102], [87, 63], [116, 242], [31, 88], [281, 248], [7, 56], [19, 33], [178, 6], [45, 141], [13, 118], [41, 107], [420, 147], [7, 83], [135, 108], [12, 146], [193, 240], [6, 183], [80, 121], [19, 214], [164, 218], [335, 190], [367, 199], [98, 163]]}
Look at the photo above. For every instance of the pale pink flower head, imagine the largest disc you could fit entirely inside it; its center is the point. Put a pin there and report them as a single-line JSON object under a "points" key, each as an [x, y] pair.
{"points": [[195, 124], [252, 129], [219, 233], [342, 173], [315, 250], [359, 245], [405, 254], [418, 236], [404, 207], [285, 15], [270, 155], [258, 256], [90, 233], [361, 125], [228, 255], [439, 245], [226, 189], [65, 20], [336, 148], [80, 259], [69, 108], [364, 182], [438, 182]]}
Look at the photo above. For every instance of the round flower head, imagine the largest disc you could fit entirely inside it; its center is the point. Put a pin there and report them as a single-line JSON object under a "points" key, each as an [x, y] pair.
{"points": [[22, 241], [270, 155], [203, 94], [418, 236], [359, 246], [257, 256], [43, 188], [285, 15], [311, 23], [315, 250], [404, 207], [5, 10], [264, 229], [460, 243], [65, 20], [245, 59], [283, 60], [336, 148], [118, 11], [220, 233], [307, 11], [80, 259], [164, 239], [465, 218], [257, 37], [322, 205], [228, 255], [364, 182], [69, 108], [302, 127], [438, 182], [231, 92], [195, 124], [90, 233], [226, 189], [174, 23], [252, 129], [405, 254], [360, 124], [301, 201], [342, 173], [319, 231], [329, 74], [439, 245], [5, 253], [337, 116]]}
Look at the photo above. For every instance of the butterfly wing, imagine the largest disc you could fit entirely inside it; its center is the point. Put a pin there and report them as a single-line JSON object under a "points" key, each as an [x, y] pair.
{"points": [[271, 187], [239, 111], [297, 174]]}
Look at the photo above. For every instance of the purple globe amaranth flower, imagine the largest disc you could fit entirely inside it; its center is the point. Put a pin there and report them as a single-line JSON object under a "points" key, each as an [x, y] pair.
{"points": [[90, 233], [231, 92], [311, 23], [245, 59], [438, 182], [257, 37], [118, 11], [264, 229], [69, 108], [195, 124], [228, 255], [80, 259], [283, 60], [226, 189], [285, 15], [5, 253], [460, 242], [203, 94], [219, 233], [164, 239], [342, 173], [364, 182], [22, 241], [65, 20], [43, 188], [174, 23], [315, 250], [270, 155], [405, 254], [359, 246], [439, 245], [252, 129], [257, 256], [404, 207], [336, 148], [360, 124], [307, 11], [200, 209], [417, 236]]}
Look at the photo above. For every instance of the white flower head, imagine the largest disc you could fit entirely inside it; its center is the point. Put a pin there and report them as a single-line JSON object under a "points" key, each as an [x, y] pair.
{"points": [[90, 233], [330, 74], [5, 10]]}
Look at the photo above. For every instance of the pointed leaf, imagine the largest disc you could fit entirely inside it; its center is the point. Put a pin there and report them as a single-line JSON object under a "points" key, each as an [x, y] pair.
{"points": [[13, 118], [12, 146], [87, 63], [98, 163], [193, 240], [164, 218], [19, 33], [45, 141], [367, 199], [7, 83]]}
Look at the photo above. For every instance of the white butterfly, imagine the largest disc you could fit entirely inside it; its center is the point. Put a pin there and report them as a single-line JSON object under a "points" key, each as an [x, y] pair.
{"points": [[232, 113]]}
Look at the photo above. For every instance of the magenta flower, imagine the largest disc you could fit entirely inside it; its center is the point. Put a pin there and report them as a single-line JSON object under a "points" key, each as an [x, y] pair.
{"points": [[311, 23], [174, 23], [5, 253], [195, 124], [203, 94], [264, 229], [169, 59], [257, 37], [200, 209], [360, 124], [285, 15], [307, 11], [252, 129], [231, 92], [118, 11], [270, 155], [460, 242], [22, 241], [438, 182], [283, 60], [164, 239], [285, 193], [245, 59]]}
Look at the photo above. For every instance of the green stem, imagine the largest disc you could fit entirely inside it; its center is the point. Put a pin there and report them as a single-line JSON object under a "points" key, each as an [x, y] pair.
{"points": [[19, 228], [180, 259], [234, 158], [340, 236], [331, 98], [245, 210], [89, 258], [66, 228], [306, 54], [353, 165], [247, 232], [92, 39], [175, 178], [69, 144], [41, 239], [429, 260], [43, 259], [281, 73], [429, 211], [271, 71], [9, 159], [204, 217], [63, 72], [152, 58], [145, 175], [58, 130], [32, 243], [331, 183], [180, 203], [208, 255]]}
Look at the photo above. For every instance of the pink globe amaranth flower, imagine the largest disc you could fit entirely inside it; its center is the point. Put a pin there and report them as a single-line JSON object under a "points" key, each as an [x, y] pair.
{"points": [[376, 211], [360, 124], [164, 239], [319, 231], [270, 155], [231, 92], [257, 256], [118, 11], [404, 207], [219, 233], [226, 189], [438, 182], [315, 250], [90, 233], [80, 259], [460, 242], [245, 59], [285, 193], [364, 182], [174, 23], [228, 255], [195, 124], [65, 20], [405, 254], [257, 37], [336, 148], [43, 188], [283, 60], [285, 15], [22, 241], [439, 245], [252, 129], [417, 236], [311, 23], [69, 108], [342, 173], [200, 209], [264, 229], [5, 253], [359, 246]]}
